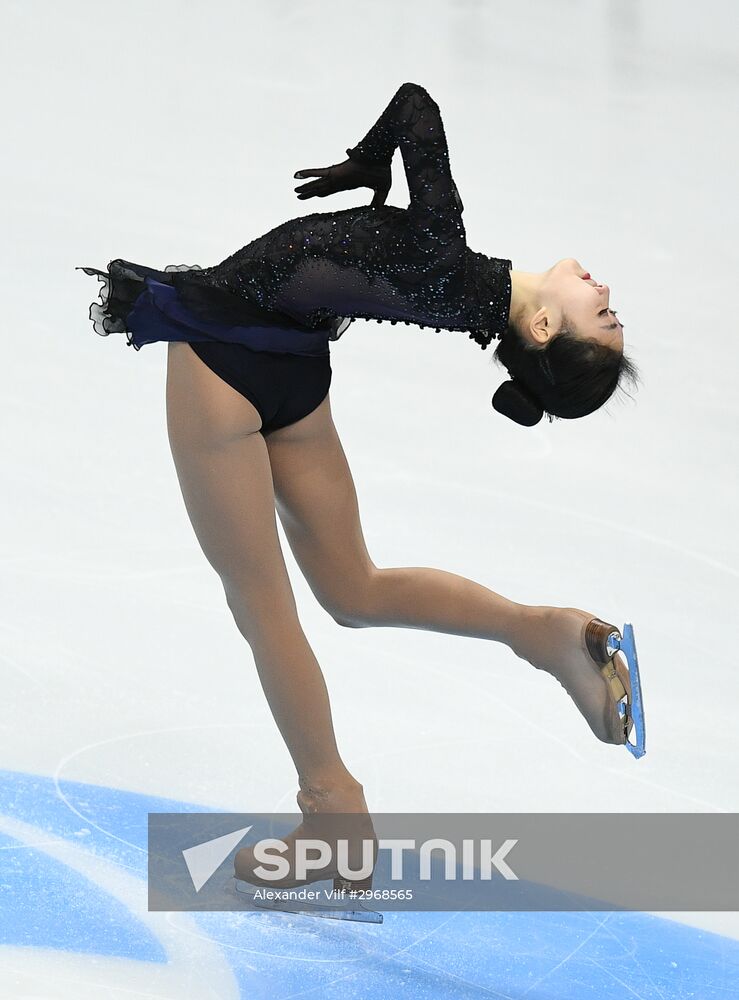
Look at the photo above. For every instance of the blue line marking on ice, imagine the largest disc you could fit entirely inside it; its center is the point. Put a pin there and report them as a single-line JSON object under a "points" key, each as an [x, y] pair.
{"points": [[45, 904], [450, 956]]}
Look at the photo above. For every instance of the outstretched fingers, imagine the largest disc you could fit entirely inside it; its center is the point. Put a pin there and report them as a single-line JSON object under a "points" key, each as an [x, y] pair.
{"points": [[318, 188]]}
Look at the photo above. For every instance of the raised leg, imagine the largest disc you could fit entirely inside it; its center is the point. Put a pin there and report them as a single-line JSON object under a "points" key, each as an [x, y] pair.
{"points": [[318, 506], [317, 503]]}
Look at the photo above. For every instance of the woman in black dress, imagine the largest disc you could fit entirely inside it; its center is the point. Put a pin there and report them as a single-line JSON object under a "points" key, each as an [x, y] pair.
{"points": [[251, 431]]}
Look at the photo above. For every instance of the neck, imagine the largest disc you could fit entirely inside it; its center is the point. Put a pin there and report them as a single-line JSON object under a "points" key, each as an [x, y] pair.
{"points": [[525, 287]]}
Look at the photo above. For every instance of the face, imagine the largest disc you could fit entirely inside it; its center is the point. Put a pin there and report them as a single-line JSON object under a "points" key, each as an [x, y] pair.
{"points": [[568, 289]]}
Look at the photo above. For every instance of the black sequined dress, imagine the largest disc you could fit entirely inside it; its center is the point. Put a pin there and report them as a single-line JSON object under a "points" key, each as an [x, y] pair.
{"points": [[299, 285]]}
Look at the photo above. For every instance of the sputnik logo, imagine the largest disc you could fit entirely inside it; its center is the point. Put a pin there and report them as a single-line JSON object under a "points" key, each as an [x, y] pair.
{"points": [[204, 860]]}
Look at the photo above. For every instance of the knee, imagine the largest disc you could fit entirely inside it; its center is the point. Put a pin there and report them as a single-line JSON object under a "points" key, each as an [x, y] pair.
{"points": [[256, 612], [348, 622], [240, 607], [350, 615], [354, 609]]}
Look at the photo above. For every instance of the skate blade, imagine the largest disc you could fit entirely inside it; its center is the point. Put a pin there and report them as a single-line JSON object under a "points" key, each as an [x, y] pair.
{"points": [[353, 910], [634, 711]]}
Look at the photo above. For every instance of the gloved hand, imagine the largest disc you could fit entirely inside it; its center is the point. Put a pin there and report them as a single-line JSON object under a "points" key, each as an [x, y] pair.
{"points": [[345, 177]]}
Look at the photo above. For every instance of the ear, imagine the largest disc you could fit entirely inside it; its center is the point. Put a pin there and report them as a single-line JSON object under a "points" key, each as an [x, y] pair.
{"points": [[539, 328]]}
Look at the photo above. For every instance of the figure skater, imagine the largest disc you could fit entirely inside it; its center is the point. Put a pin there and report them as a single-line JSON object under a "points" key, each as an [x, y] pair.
{"points": [[251, 431]]}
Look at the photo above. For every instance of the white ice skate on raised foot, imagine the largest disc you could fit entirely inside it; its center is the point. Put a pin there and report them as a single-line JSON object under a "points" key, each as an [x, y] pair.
{"points": [[604, 641]]}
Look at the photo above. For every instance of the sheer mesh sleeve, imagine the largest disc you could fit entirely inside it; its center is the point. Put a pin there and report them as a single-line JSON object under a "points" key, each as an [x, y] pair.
{"points": [[412, 120], [408, 265], [317, 272]]}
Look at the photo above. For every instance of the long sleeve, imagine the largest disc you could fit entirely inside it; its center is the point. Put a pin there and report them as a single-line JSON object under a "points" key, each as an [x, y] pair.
{"points": [[375, 262], [412, 120]]}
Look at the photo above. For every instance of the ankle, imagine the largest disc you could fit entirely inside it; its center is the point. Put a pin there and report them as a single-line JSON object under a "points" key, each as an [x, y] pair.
{"points": [[329, 783], [339, 795], [527, 619]]}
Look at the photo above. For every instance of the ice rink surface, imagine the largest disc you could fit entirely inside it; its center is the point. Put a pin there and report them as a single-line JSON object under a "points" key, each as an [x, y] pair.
{"points": [[169, 133]]}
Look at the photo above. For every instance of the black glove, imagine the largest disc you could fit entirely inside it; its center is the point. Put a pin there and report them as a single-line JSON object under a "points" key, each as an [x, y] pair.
{"points": [[345, 177]]}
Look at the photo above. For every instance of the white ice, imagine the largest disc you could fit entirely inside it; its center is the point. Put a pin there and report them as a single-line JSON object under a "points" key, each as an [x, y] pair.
{"points": [[169, 133]]}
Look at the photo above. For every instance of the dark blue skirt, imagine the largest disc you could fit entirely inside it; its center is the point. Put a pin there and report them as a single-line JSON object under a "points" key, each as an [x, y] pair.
{"points": [[150, 305]]}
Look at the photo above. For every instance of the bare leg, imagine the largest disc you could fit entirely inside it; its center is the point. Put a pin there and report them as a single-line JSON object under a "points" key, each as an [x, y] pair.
{"points": [[426, 598], [319, 510], [224, 474]]}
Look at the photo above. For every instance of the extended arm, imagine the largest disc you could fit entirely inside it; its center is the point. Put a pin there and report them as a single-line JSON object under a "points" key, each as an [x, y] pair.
{"points": [[412, 120]]}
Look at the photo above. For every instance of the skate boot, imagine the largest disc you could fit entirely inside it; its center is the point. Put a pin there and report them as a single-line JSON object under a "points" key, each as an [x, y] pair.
{"points": [[584, 654], [349, 838]]}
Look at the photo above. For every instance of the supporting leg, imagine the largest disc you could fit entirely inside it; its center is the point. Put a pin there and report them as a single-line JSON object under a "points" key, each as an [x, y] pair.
{"points": [[224, 474]]}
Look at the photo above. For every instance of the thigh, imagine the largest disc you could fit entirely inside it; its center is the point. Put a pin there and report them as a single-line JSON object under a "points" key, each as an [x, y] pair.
{"points": [[317, 503], [225, 477]]}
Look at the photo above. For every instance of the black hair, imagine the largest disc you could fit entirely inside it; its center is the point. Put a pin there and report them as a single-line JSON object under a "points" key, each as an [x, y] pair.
{"points": [[569, 377]]}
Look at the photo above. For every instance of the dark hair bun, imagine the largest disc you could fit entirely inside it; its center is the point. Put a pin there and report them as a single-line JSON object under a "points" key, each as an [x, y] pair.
{"points": [[514, 401]]}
